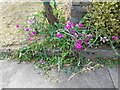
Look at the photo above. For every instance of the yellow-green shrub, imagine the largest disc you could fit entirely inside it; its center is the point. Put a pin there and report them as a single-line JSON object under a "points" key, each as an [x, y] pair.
{"points": [[105, 17]]}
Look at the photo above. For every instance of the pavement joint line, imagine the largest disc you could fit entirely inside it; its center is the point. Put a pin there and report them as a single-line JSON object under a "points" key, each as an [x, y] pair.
{"points": [[111, 78]]}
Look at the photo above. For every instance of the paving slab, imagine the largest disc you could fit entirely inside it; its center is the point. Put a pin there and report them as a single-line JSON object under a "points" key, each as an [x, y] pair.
{"points": [[22, 76], [26, 76], [114, 75]]}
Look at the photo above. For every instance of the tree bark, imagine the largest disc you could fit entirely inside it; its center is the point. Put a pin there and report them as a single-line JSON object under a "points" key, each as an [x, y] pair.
{"points": [[49, 13]]}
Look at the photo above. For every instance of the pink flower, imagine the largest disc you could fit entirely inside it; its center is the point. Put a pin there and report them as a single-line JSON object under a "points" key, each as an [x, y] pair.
{"points": [[114, 38], [41, 61], [72, 32], [103, 39], [17, 26], [69, 25], [86, 44], [90, 35], [30, 21], [32, 33], [79, 41], [29, 39], [27, 29], [80, 25], [76, 35], [58, 35], [86, 39], [78, 46]]}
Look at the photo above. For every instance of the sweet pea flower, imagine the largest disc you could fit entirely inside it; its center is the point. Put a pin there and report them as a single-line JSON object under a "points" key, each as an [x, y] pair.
{"points": [[76, 35], [69, 25], [72, 32], [90, 35], [79, 41], [86, 44], [114, 38], [41, 61], [103, 39], [29, 39], [58, 35], [86, 39], [27, 29], [78, 46], [80, 25], [17, 26], [30, 21]]}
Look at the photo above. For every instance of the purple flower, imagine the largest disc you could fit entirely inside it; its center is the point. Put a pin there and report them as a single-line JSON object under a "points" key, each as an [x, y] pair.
{"points": [[72, 31], [86, 39], [30, 21], [90, 35], [58, 35], [76, 35], [80, 25], [41, 61], [103, 39], [69, 25], [17, 26], [31, 34], [86, 44], [78, 46], [27, 29], [34, 32], [29, 39], [79, 41], [114, 38]]}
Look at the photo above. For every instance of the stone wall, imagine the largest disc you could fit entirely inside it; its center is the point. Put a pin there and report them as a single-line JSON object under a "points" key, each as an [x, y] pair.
{"points": [[79, 9]]}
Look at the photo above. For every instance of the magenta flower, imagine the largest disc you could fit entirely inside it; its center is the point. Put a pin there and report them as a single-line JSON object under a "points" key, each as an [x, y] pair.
{"points": [[90, 35], [80, 25], [72, 32], [58, 35], [32, 33], [27, 29], [30, 21], [114, 38], [29, 39], [78, 46], [17, 26], [86, 39], [103, 39], [76, 35], [41, 61], [69, 25], [79, 41], [86, 44]]}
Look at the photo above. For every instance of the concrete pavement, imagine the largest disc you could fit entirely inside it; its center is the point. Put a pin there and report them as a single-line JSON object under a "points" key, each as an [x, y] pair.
{"points": [[26, 76]]}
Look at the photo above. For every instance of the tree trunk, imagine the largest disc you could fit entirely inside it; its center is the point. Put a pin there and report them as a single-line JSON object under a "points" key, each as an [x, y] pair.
{"points": [[49, 13]]}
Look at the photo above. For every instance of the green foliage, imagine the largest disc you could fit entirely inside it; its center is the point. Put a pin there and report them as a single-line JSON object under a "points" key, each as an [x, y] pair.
{"points": [[64, 50], [105, 18]]}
